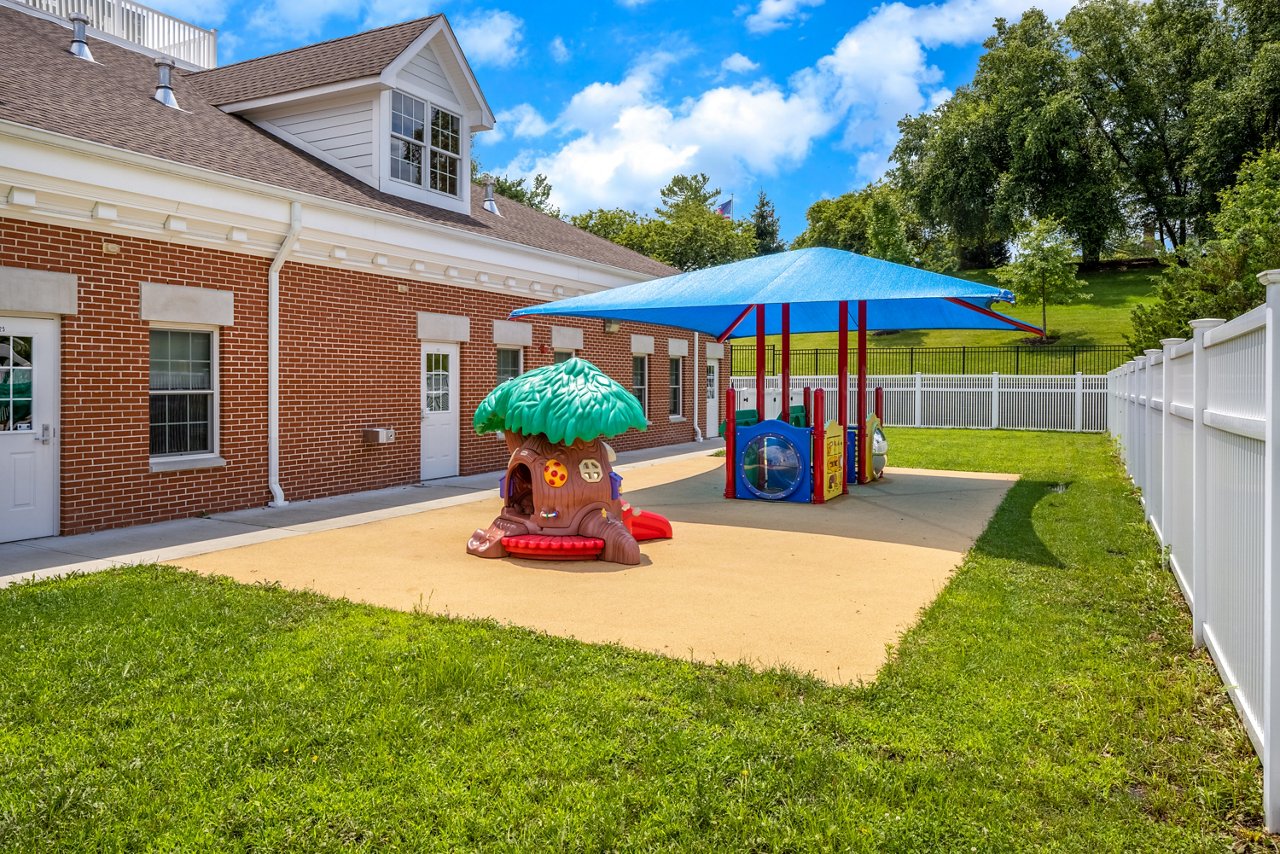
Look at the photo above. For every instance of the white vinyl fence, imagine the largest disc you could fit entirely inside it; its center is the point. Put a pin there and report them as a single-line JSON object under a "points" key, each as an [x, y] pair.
{"points": [[1076, 403], [1196, 424]]}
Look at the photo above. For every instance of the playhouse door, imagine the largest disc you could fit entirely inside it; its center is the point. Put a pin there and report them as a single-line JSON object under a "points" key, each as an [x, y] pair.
{"points": [[440, 409], [713, 399], [29, 393]]}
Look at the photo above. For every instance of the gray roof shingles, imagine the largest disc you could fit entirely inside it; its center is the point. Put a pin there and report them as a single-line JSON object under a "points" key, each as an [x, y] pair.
{"points": [[110, 102]]}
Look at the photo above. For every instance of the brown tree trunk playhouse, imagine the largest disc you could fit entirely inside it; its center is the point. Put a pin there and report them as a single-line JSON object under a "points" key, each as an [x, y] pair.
{"points": [[561, 497]]}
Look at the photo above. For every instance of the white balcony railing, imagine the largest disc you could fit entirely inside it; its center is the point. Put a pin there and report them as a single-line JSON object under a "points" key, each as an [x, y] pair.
{"points": [[149, 28]]}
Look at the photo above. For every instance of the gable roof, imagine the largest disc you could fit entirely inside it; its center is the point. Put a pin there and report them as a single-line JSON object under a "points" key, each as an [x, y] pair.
{"points": [[333, 61], [109, 102]]}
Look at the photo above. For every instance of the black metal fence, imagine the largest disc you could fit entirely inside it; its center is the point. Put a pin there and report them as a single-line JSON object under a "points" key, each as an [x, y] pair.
{"points": [[1025, 360]]}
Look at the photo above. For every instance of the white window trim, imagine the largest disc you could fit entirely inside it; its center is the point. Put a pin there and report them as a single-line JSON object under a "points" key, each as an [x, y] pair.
{"points": [[203, 459], [573, 354], [519, 351], [677, 399], [464, 177], [644, 402]]}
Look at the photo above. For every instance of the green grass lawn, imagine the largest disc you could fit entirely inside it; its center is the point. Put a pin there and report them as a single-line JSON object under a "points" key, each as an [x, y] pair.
{"points": [[1104, 319], [1048, 700]]}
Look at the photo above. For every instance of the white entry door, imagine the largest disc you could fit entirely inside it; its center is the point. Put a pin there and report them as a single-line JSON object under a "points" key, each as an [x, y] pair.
{"points": [[29, 393], [714, 415], [440, 434]]}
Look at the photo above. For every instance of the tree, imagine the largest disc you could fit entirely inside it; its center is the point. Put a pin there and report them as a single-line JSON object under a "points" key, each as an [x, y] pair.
{"points": [[608, 223], [1218, 276], [536, 196], [875, 221], [686, 192], [1045, 268], [765, 221]]}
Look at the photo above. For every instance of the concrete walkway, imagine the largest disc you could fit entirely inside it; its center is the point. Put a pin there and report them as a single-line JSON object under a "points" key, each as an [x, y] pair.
{"points": [[167, 542]]}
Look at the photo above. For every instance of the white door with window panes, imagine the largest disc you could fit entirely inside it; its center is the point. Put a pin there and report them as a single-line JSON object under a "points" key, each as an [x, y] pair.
{"points": [[29, 393], [713, 397], [440, 410]]}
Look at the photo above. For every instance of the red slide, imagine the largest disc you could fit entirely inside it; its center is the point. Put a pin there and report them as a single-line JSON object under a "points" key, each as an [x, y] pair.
{"points": [[645, 524]]}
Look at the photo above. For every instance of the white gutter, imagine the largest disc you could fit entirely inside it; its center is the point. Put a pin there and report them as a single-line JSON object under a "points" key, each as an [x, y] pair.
{"points": [[273, 355], [697, 422]]}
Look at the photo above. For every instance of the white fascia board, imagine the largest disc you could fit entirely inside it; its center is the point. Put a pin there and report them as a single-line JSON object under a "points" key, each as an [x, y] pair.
{"points": [[98, 171], [310, 94], [458, 67]]}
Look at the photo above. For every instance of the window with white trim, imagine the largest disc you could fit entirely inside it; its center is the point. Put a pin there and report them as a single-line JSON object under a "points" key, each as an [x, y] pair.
{"points": [[677, 387], [564, 355], [640, 381], [510, 363], [426, 144], [183, 392]]}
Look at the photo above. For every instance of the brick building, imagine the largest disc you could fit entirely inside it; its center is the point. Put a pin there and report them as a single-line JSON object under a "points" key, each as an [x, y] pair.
{"points": [[279, 285]]}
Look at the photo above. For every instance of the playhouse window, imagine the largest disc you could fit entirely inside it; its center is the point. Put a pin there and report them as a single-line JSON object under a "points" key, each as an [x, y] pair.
{"points": [[183, 398], [677, 387], [640, 381], [509, 363]]}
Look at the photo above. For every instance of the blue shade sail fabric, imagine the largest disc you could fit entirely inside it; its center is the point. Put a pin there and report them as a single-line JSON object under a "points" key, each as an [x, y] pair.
{"points": [[812, 281]]}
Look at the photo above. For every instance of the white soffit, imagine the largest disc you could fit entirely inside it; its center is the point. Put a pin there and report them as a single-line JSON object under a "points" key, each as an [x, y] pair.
{"points": [[186, 304]]}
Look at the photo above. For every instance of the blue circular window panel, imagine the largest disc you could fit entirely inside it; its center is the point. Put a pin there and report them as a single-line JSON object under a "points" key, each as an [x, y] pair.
{"points": [[772, 466]]}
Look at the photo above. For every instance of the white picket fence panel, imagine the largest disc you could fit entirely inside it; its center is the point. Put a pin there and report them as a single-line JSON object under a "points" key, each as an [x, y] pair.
{"points": [[1195, 422], [1075, 403]]}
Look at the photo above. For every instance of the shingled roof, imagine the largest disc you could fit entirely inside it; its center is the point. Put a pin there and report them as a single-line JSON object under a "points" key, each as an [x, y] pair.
{"points": [[110, 102], [349, 58]]}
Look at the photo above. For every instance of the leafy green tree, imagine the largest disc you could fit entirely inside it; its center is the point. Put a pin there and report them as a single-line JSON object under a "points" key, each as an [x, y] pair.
{"points": [[1218, 276], [537, 195], [1045, 269], [609, 223], [764, 218], [684, 193], [875, 221]]}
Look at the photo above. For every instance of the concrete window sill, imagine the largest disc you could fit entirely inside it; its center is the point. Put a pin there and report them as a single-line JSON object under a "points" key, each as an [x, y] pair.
{"points": [[674, 419], [204, 461]]}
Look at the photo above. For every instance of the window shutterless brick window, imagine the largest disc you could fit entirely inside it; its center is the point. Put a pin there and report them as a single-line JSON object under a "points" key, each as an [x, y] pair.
{"points": [[182, 392], [411, 120], [509, 363], [677, 387], [564, 356], [640, 381]]}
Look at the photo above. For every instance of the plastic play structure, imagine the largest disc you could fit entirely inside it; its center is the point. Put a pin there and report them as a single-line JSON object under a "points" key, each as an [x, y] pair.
{"points": [[801, 455], [562, 500]]}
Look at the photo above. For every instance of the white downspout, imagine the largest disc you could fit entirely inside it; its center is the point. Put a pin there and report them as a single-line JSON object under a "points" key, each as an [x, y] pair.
{"points": [[273, 355], [697, 421]]}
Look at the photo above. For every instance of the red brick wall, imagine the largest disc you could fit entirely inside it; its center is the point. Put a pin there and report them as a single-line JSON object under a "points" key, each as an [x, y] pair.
{"points": [[349, 360]]}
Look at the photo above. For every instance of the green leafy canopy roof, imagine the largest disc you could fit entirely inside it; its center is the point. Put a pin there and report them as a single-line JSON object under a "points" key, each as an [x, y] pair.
{"points": [[565, 402]]}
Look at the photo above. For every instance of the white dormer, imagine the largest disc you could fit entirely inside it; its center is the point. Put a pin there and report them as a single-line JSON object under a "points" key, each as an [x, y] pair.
{"points": [[404, 129]]}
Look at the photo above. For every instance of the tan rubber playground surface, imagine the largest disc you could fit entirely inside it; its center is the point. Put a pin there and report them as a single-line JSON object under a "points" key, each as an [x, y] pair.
{"points": [[822, 589]]}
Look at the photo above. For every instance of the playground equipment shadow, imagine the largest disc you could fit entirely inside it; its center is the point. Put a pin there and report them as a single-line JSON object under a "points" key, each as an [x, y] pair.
{"points": [[822, 590]]}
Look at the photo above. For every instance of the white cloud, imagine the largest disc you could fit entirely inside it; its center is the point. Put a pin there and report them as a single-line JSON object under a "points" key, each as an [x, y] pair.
{"points": [[294, 21], [559, 50], [632, 4], [773, 15], [206, 13], [627, 143], [382, 13], [490, 37], [738, 64], [520, 121]]}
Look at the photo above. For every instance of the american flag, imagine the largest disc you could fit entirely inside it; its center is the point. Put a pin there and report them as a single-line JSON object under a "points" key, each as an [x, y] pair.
{"points": [[725, 209]]}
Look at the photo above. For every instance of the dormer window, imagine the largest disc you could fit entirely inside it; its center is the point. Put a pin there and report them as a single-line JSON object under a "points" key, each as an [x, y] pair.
{"points": [[410, 148]]}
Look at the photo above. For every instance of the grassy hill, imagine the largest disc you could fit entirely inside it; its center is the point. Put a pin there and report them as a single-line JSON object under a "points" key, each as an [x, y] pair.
{"points": [[1104, 319]]}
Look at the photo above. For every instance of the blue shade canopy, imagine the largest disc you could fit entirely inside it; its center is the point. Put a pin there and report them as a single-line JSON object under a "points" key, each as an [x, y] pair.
{"points": [[812, 281]]}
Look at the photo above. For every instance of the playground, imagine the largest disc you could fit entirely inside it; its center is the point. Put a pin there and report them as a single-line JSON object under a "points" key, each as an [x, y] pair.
{"points": [[820, 589]]}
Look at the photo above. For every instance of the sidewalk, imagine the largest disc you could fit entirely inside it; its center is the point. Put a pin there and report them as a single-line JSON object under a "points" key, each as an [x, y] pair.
{"points": [[181, 538]]}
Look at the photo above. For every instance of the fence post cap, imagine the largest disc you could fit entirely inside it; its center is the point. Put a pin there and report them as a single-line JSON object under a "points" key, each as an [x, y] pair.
{"points": [[1171, 342], [1207, 322], [1151, 351], [1269, 277]]}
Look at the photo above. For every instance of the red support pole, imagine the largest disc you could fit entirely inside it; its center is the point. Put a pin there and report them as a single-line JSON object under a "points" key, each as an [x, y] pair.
{"points": [[808, 407], [862, 391], [760, 362], [842, 372], [786, 363], [819, 449], [880, 403], [730, 451]]}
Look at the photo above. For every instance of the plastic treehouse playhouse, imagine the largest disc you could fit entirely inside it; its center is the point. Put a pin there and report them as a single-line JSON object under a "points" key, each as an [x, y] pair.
{"points": [[798, 453], [562, 500]]}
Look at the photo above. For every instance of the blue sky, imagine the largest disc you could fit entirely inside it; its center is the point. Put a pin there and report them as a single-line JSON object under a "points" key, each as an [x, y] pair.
{"points": [[611, 98]]}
